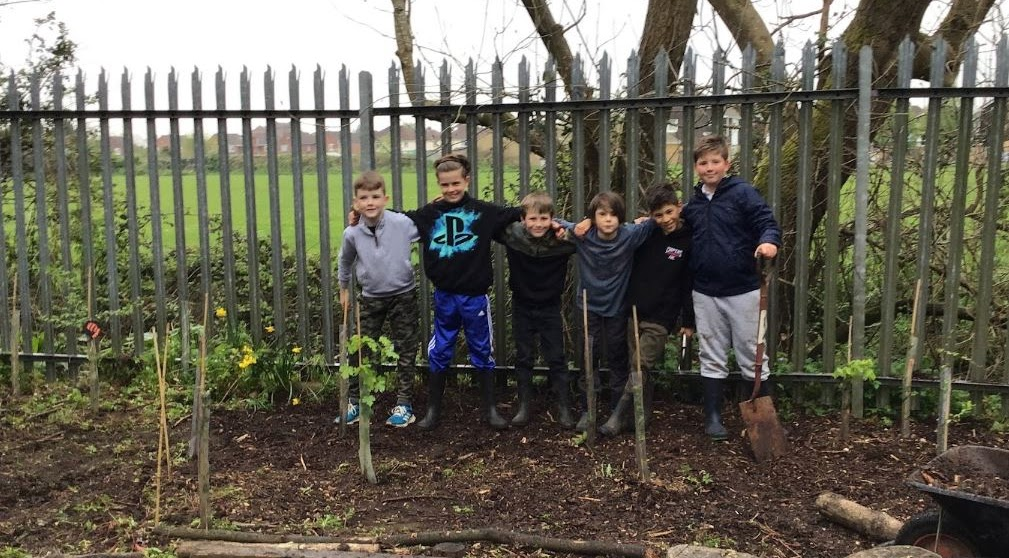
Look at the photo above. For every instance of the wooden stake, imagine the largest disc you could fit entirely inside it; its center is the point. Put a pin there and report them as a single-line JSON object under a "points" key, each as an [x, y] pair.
{"points": [[364, 424], [344, 382], [846, 396], [912, 351], [945, 397], [92, 350], [590, 377], [163, 387], [637, 387], [15, 342], [203, 469], [161, 429]]}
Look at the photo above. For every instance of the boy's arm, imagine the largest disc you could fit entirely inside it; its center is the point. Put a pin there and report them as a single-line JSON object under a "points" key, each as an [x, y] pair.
{"points": [[640, 231], [769, 233], [687, 321], [503, 217], [348, 255]]}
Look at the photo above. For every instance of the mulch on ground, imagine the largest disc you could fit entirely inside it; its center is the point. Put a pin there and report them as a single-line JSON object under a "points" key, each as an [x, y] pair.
{"points": [[89, 487]]}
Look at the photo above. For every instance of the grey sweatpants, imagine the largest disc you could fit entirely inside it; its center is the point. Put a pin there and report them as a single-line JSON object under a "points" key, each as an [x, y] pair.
{"points": [[724, 323]]}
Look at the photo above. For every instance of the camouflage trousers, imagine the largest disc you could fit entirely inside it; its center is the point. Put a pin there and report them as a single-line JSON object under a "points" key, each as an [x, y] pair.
{"points": [[399, 314]]}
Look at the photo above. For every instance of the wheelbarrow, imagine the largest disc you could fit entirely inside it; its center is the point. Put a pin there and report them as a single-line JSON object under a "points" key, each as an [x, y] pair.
{"points": [[966, 524]]}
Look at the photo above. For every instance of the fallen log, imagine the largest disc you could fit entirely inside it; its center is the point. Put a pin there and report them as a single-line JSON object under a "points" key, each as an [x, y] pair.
{"points": [[895, 552], [224, 549], [693, 551], [500, 536], [425, 538], [871, 523], [188, 533]]}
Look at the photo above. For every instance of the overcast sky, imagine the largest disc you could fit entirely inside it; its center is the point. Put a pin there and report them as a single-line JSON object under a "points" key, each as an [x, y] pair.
{"points": [[136, 34]]}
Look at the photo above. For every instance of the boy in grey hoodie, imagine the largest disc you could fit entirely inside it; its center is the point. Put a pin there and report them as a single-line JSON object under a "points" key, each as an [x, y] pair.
{"points": [[378, 247]]}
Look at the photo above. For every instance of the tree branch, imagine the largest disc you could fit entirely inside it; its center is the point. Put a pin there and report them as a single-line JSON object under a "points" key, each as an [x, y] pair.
{"points": [[746, 27], [960, 23], [404, 47], [552, 35]]}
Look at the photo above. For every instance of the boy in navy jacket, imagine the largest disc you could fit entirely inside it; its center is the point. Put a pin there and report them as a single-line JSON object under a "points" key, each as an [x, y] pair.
{"points": [[732, 225]]}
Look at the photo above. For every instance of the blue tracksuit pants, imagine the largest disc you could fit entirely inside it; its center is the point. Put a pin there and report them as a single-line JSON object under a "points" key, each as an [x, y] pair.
{"points": [[470, 313]]}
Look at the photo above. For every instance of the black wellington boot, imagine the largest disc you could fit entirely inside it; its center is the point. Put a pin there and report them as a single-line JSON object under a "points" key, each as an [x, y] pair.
{"points": [[714, 393], [525, 389], [618, 420], [490, 414], [435, 392], [562, 391]]}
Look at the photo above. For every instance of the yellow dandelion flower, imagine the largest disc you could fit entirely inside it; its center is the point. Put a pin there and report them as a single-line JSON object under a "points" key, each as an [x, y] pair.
{"points": [[221, 313], [296, 401], [270, 329], [296, 350]]}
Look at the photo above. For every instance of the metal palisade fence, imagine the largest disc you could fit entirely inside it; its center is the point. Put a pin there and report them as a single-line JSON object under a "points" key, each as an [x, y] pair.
{"points": [[135, 215]]}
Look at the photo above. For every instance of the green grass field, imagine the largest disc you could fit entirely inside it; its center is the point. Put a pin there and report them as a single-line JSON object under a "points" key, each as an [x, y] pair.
{"points": [[337, 213]]}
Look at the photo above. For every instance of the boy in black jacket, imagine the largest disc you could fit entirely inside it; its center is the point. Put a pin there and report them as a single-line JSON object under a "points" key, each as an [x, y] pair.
{"points": [[660, 288], [455, 236], [538, 264]]}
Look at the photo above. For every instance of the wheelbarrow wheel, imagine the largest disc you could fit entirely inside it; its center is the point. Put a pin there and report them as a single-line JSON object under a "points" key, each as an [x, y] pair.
{"points": [[939, 533]]}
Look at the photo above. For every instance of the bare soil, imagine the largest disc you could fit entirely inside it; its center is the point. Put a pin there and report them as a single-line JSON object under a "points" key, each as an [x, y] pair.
{"points": [[73, 483]]}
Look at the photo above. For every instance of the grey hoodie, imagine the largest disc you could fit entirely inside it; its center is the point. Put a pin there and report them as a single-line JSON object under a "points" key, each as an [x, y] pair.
{"points": [[381, 258]]}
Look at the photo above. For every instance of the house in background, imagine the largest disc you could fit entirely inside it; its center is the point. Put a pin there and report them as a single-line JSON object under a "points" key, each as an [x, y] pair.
{"points": [[702, 127]]}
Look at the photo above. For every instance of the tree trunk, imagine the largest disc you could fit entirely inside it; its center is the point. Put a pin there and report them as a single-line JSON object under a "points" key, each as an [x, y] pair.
{"points": [[668, 24], [881, 24]]}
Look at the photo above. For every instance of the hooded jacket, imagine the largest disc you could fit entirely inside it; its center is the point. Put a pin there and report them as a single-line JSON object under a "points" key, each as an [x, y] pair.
{"points": [[727, 229]]}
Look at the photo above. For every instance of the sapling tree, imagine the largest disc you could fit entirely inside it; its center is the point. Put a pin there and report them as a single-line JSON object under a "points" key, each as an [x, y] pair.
{"points": [[371, 353], [861, 370]]}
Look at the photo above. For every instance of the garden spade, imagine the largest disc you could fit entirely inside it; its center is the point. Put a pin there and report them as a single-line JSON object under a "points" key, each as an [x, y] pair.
{"points": [[766, 436], [344, 382]]}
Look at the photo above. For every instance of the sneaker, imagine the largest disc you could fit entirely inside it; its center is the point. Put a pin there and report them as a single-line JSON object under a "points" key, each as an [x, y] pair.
{"points": [[353, 414], [402, 415]]}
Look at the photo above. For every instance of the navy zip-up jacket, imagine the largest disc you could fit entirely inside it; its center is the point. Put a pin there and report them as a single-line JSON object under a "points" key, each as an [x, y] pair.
{"points": [[727, 229]]}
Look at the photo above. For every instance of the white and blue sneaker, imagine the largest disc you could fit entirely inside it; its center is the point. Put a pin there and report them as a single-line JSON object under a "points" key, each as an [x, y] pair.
{"points": [[353, 414], [402, 416]]}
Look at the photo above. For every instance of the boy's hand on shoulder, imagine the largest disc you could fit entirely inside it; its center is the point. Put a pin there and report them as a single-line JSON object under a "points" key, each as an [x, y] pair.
{"points": [[559, 231], [641, 219], [582, 228], [353, 217], [766, 250]]}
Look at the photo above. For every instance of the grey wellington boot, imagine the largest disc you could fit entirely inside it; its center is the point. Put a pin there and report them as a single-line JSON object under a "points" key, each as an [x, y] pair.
{"points": [[562, 391], [618, 420], [525, 389]]}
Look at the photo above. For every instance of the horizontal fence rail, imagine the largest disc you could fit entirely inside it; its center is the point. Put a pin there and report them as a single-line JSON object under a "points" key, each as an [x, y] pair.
{"points": [[136, 215]]}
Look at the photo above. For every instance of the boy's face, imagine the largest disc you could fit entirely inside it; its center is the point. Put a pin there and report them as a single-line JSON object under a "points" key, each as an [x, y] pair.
{"points": [[667, 217], [606, 221], [370, 203], [453, 185], [537, 223], [711, 168]]}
